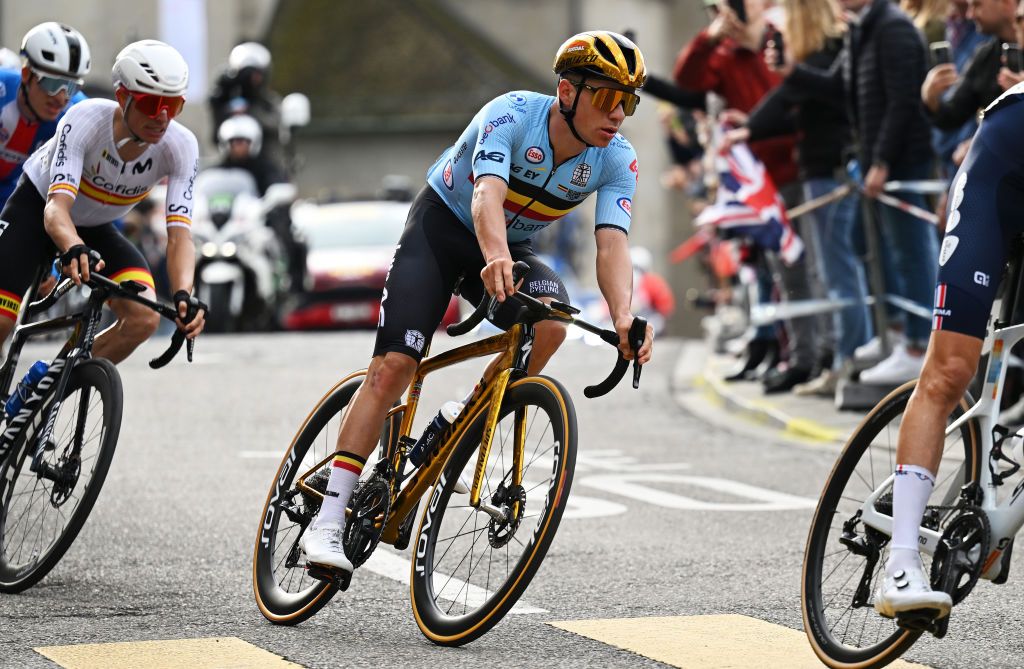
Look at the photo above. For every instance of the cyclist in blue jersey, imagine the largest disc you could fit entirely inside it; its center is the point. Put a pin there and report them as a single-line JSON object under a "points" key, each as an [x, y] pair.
{"points": [[985, 200], [524, 161], [55, 57]]}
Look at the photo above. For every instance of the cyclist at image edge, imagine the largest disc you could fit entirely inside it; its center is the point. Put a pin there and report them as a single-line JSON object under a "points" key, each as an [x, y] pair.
{"points": [[34, 99], [985, 200], [104, 158], [524, 161]]}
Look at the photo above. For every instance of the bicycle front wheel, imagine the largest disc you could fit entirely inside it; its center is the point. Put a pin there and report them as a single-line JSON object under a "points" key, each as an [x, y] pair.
{"points": [[42, 512], [285, 592], [469, 567], [844, 558]]}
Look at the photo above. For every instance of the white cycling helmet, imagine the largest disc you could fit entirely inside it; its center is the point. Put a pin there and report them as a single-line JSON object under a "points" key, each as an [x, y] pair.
{"points": [[57, 50], [240, 127], [249, 54], [150, 66], [9, 60]]}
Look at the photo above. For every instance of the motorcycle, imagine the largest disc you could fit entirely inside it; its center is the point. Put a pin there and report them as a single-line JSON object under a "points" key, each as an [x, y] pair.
{"points": [[241, 269]]}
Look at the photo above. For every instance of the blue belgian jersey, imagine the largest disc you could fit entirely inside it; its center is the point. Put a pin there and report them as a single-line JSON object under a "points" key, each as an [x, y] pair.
{"points": [[509, 139]]}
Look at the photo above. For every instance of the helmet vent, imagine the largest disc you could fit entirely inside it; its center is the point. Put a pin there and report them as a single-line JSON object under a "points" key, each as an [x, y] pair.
{"points": [[150, 71], [49, 55], [630, 60], [603, 49]]}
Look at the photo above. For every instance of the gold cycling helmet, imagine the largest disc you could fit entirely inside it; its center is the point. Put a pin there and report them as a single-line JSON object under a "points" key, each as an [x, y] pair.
{"points": [[603, 54]]}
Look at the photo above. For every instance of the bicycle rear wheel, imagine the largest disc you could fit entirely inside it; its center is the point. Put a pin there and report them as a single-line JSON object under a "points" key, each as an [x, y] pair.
{"points": [[468, 568], [40, 516], [840, 570], [285, 592]]}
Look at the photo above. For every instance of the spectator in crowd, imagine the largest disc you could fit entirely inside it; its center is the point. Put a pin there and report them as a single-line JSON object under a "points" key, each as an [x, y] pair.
{"points": [[882, 68], [652, 296], [813, 35], [964, 39], [727, 58], [243, 88], [952, 100], [929, 17]]}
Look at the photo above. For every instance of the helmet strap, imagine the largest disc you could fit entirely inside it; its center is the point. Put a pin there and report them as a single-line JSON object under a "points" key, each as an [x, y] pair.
{"points": [[570, 113], [23, 89], [132, 137]]}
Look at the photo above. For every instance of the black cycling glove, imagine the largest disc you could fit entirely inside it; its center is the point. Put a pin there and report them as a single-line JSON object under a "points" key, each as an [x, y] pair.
{"points": [[193, 304], [77, 251]]}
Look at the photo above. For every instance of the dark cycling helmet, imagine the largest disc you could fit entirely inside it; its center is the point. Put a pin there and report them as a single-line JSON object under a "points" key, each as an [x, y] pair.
{"points": [[603, 54]]}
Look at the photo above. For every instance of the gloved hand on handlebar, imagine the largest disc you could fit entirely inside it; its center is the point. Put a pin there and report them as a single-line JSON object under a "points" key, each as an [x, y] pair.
{"points": [[78, 261], [622, 326], [191, 313]]}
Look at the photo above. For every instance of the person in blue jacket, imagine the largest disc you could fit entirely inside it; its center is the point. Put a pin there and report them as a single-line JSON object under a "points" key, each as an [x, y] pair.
{"points": [[55, 58]]}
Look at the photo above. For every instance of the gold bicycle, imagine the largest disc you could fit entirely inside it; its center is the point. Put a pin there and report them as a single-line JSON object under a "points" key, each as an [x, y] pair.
{"points": [[479, 544]]}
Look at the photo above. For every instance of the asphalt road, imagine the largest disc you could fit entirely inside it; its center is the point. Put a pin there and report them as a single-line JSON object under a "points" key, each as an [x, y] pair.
{"points": [[652, 530]]}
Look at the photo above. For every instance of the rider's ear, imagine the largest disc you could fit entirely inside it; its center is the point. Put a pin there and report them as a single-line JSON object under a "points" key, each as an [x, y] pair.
{"points": [[566, 92]]}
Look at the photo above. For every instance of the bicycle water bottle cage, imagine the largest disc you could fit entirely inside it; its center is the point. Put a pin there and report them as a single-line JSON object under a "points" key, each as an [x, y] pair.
{"points": [[999, 435]]}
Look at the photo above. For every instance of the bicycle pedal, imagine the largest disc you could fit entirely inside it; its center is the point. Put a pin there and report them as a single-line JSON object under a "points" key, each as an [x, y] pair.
{"points": [[340, 578], [923, 620]]}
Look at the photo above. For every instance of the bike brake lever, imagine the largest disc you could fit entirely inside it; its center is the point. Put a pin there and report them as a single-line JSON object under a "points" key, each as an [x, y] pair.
{"points": [[190, 345], [637, 334]]}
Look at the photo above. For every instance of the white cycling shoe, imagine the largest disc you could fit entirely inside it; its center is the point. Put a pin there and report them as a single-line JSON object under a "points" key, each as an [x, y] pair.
{"points": [[322, 546], [910, 590]]}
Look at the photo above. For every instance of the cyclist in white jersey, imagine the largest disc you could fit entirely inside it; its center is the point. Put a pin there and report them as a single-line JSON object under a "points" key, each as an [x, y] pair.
{"points": [[523, 162], [103, 159]]}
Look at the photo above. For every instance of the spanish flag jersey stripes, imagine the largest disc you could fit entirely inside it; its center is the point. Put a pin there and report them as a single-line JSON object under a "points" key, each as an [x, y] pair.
{"points": [[509, 139], [81, 161]]}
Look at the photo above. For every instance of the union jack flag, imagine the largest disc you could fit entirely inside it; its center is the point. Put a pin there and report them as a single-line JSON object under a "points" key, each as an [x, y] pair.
{"points": [[748, 205]]}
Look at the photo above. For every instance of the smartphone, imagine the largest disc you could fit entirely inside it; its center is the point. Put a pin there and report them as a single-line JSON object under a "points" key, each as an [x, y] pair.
{"points": [[942, 53], [739, 9], [775, 41], [1012, 58]]}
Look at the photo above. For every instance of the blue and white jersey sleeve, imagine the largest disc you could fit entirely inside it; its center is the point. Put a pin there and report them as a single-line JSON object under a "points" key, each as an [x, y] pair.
{"points": [[615, 198], [498, 125]]}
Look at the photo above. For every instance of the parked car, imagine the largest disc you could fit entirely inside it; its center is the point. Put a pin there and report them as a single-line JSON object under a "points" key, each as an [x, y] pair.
{"points": [[350, 249]]}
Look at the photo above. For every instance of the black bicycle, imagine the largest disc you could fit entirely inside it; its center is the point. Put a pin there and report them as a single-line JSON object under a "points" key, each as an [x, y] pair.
{"points": [[56, 450]]}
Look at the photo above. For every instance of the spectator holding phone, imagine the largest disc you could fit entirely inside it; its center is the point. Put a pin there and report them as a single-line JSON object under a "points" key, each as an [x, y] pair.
{"points": [[813, 36], [727, 58], [952, 100]]}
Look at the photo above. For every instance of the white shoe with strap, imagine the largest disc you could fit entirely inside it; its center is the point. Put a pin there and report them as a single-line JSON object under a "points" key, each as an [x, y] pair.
{"points": [[909, 589], [322, 546]]}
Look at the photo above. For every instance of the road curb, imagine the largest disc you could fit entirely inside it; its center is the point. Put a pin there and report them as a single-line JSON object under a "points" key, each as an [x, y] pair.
{"points": [[693, 381]]}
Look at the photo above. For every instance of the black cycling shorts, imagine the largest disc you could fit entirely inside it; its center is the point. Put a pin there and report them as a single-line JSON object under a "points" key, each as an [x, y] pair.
{"points": [[986, 199], [434, 251], [24, 246]]}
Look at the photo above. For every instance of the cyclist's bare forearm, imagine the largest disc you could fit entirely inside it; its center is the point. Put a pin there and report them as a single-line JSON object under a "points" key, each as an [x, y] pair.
{"points": [[489, 224], [181, 259], [58, 224], [615, 272]]}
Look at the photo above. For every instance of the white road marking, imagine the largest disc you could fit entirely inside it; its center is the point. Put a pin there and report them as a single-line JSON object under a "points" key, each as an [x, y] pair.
{"points": [[627, 485]]}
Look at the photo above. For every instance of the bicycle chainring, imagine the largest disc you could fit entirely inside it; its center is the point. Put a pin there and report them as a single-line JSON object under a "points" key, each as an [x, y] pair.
{"points": [[513, 501], [960, 556], [368, 511]]}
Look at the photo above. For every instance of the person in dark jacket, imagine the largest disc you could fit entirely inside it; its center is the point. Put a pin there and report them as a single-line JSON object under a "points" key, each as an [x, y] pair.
{"points": [[985, 77], [879, 77], [813, 35]]}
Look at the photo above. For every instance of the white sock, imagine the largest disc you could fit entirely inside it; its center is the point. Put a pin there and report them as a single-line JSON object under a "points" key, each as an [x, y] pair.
{"points": [[345, 472], [910, 492]]}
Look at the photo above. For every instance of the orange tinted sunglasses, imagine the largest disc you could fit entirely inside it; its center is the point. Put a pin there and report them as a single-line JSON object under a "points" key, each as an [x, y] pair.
{"points": [[151, 105]]}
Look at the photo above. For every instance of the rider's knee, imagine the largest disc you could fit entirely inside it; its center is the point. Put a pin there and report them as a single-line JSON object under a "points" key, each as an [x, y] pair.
{"points": [[140, 325], [945, 378], [550, 333], [390, 373]]}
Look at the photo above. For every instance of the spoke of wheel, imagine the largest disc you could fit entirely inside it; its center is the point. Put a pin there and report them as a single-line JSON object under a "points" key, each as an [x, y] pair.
{"points": [[456, 570]]}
